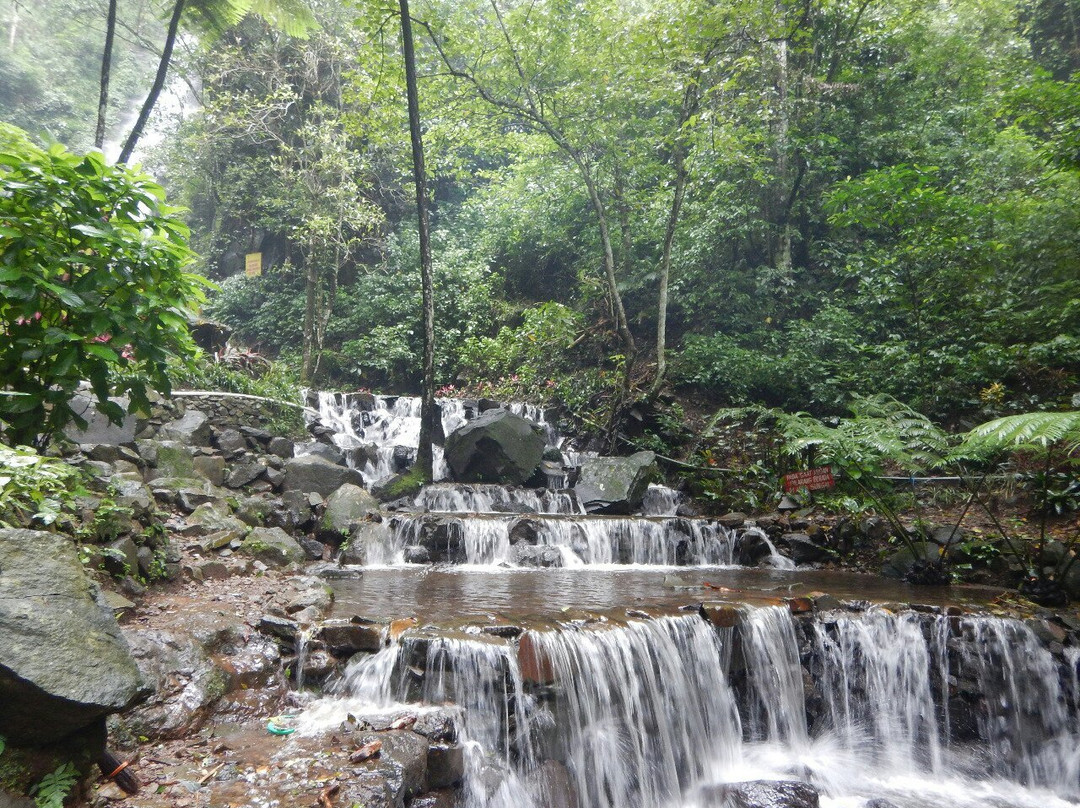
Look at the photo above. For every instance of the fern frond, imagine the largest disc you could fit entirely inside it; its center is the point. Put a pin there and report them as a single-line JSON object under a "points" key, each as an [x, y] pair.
{"points": [[291, 17], [1032, 430]]}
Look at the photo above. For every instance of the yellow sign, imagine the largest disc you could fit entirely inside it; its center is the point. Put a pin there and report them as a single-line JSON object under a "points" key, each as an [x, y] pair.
{"points": [[253, 264]]}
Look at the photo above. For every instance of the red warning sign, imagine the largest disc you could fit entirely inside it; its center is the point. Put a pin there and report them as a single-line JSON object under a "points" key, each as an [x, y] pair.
{"points": [[811, 479]]}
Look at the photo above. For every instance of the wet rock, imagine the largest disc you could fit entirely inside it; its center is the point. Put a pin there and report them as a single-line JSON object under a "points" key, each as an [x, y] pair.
{"points": [[345, 638], [365, 536], [185, 680], [314, 549], [524, 531], [555, 785], [529, 555], [191, 429], [824, 602], [437, 726], [732, 520], [496, 447], [348, 505], [803, 549], [63, 661], [260, 436], [311, 473], [314, 594], [949, 536], [722, 615], [874, 528], [446, 766], [280, 627], [272, 546], [880, 803], [445, 798], [761, 794], [751, 547], [214, 517], [536, 667], [121, 557], [615, 485]]}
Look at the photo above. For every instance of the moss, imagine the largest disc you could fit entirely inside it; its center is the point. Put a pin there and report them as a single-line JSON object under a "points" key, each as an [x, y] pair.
{"points": [[403, 485]]}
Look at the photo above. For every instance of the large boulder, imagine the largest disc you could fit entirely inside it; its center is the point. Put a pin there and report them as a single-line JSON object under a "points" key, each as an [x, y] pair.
{"points": [[615, 484], [99, 429], [311, 473], [192, 429], [345, 507], [497, 447], [63, 660], [273, 546]]}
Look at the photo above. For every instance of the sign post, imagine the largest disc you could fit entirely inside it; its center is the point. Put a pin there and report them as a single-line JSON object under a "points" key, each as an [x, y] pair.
{"points": [[253, 264], [817, 479]]}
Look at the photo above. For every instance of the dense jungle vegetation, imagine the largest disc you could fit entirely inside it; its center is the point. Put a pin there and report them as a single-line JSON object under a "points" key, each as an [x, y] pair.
{"points": [[781, 203]]}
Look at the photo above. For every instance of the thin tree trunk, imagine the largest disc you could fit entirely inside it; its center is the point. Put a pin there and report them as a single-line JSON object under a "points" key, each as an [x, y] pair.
{"points": [[424, 455], [311, 304], [106, 68], [159, 83], [665, 271]]}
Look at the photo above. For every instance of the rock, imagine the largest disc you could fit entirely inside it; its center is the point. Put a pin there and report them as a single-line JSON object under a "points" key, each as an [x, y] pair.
{"points": [[146, 561], [803, 550], [315, 595], [497, 447], [365, 537], [761, 794], [121, 557], [272, 546], [345, 638], [751, 547], [260, 436], [446, 766], [949, 536], [99, 429], [824, 602], [132, 494], [555, 785], [615, 484], [210, 467], [231, 442], [280, 627], [900, 563], [244, 474], [875, 529], [536, 667], [172, 460], [879, 803], [721, 615], [345, 507], [63, 660], [214, 518], [529, 555], [733, 520], [331, 454], [313, 474], [281, 447], [313, 548], [192, 429]]}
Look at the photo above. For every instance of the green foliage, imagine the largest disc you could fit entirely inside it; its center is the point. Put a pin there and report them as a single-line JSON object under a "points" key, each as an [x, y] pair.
{"points": [[92, 283], [36, 490], [55, 786]]}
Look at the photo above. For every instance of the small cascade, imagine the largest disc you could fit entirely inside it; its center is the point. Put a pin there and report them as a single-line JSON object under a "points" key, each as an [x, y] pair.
{"points": [[1031, 735], [580, 540], [301, 646], [660, 501], [478, 498], [874, 680], [776, 700]]}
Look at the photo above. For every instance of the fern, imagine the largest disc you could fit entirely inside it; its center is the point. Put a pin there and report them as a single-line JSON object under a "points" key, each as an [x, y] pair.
{"points": [[1031, 431], [55, 786]]}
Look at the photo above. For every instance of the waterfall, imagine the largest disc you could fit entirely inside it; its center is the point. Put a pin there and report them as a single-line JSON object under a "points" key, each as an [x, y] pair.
{"points": [[660, 501], [480, 498], [660, 713], [580, 540]]}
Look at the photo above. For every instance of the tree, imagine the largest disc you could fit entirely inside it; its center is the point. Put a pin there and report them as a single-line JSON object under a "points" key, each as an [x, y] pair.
{"points": [[106, 68], [424, 455], [210, 18], [93, 285]]}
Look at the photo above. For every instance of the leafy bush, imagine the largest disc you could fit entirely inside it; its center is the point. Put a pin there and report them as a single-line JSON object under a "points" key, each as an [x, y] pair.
{"points": [[92, 281], [35, 490]]}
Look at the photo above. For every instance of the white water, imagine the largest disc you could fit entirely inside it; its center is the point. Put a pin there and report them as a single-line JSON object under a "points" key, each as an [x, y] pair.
{"points": [[581, 540], [395, 422], [660, 500], [644, 715], [479, 498]]}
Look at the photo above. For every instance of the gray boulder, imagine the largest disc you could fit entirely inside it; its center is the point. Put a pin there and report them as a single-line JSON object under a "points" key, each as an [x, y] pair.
{"points": [[368, 539], [900, 563], [273, 546], [99, 429], [63, 661], [344, 508], [169, 458], [615, 484], [497, 447], [192, 429], [312, 473]]}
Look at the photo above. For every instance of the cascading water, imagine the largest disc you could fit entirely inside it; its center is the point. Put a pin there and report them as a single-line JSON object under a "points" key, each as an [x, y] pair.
{"points": [[380, 433], [660, 500], [457, 498], [642, 715], [580, 540]]}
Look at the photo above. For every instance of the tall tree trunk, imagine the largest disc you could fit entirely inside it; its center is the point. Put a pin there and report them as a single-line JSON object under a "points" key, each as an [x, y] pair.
{"points": [[159, 83], [783, 163], [665, 269], [424, 454], [106, 68]]}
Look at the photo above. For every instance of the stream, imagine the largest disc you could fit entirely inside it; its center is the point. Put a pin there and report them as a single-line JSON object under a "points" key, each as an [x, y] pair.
{"points": [[646, 670]]}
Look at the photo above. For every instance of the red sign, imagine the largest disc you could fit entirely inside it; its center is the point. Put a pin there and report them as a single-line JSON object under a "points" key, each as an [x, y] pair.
{"points": [[811, 480]]}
